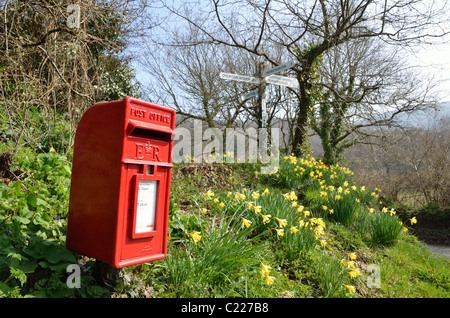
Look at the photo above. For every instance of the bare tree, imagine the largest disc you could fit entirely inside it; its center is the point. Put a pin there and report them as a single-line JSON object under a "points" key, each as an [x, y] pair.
{"points": [[307, 29], [57, 58], [411, 165], [365, 83], [186, 77]]}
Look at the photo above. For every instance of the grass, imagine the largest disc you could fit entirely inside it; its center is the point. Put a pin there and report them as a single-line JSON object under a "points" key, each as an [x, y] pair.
{"points": [[233, 233], [306, 250], [408, 269]]}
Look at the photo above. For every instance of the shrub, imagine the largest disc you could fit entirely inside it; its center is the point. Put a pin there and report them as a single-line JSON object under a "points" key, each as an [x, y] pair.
{"points": [[330, 275], [211, 256], [385, 228], [342, 205]]}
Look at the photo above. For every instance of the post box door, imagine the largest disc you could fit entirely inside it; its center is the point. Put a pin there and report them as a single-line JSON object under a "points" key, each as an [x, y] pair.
{"points": [[144, 207], [144, 232]]}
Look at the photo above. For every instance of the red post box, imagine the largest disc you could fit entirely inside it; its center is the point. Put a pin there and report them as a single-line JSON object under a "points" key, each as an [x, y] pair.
{"points": [[120, 186]]}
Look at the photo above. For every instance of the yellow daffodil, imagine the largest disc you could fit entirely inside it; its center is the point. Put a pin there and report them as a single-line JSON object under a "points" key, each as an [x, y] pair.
{"points": [[266, 192], [318, 221], [294, 229], [221, 204], [246, 222], [350, 288], [209, 194], [338, 197], [319, 230], [255, 195], [351, 264], [265, 270], [204, 210], [266, 218], [280, 232], [290, 196], [348, 263], [352, 255], [354, 273], [195, 236], [324, 207], [282, 222], [413, 220], [269, 280], [257, 208]]}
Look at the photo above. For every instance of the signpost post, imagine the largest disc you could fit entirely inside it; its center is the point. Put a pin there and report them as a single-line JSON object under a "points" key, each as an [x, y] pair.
{"points": [[264, 77]]}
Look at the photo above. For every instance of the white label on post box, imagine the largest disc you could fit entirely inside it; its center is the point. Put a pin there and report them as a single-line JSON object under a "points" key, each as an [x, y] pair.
{"points": [[146, 204]]}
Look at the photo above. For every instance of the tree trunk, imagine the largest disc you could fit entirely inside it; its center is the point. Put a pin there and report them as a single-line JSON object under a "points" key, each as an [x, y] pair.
{"points": [[301, 129]]}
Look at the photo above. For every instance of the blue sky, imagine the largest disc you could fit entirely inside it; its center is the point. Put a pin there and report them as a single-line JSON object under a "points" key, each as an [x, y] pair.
{"points": [[433, 59]]}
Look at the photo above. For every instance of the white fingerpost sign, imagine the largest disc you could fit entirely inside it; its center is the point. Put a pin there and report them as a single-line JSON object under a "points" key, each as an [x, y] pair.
{"points": [[278, 69], [267, 77], [250, 94], [240, 78], [283, 81]]}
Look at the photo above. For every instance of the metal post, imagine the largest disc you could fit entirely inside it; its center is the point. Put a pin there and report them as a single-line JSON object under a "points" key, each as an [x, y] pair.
{"points": [[262, 96]]}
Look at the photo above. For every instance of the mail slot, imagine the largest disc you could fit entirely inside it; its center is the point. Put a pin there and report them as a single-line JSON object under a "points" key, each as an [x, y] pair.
{"points": [[120, 185]]}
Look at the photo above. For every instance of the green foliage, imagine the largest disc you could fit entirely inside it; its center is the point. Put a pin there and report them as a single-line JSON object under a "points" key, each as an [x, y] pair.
{"points": [[118, 80], [259, 242], [209, 257], [50, 74], [33, 220], [297, 242], [343, 204], [180, 224], [385, 228], [330, 275]]}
